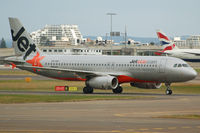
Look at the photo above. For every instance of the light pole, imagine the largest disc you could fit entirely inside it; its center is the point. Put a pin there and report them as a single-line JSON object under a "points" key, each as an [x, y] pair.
{"points": [[111, 14]]}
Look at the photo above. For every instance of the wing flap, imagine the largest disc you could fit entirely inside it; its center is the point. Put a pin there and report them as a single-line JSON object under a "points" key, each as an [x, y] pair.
{"points": [[197, 54]]}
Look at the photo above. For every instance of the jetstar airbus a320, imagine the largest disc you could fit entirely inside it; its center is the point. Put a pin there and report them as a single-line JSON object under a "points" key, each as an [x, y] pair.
{"points": [[98, 72]]}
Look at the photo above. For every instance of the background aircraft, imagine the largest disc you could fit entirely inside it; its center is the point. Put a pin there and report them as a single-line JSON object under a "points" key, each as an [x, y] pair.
{"points": [[99, 72], [170, 49]]}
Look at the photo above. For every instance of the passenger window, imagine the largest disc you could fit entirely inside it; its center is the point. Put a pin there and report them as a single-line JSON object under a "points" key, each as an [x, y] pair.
{"points": [[175, 65]]}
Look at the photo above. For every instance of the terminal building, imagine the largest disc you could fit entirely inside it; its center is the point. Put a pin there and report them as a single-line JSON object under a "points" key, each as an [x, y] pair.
{"points": [[191, 42], [58, 35]]}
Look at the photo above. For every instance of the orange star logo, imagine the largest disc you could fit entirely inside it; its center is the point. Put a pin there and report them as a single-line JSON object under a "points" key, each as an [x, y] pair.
{"points": [[36, 61], [13, 65]]}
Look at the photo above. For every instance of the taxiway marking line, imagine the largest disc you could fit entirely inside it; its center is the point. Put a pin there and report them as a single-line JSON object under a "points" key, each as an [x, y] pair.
{"points": [[171, 128], [62, 131], [185, 127], [153, 113], [158, 128], [143, 129]]}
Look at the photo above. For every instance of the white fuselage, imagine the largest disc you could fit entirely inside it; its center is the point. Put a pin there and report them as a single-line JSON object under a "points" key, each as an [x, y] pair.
{"points": [[192, 55], [128, 68]]}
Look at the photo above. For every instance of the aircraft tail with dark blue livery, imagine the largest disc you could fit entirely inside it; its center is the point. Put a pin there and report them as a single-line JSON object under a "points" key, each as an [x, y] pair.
{"points": [[166, 42]]}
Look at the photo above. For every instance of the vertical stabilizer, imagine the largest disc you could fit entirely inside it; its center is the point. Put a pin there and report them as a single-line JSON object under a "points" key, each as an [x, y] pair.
{"points": [[165, 41], [22, 42]]}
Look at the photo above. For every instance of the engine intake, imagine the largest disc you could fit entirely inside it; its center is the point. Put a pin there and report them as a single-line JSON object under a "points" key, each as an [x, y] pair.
{"points": [[146, 85], [102, 82]]}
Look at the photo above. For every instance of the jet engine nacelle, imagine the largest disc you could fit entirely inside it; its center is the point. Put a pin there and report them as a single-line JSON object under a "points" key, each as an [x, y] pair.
{"points": [[102, 82], [146, 85]]}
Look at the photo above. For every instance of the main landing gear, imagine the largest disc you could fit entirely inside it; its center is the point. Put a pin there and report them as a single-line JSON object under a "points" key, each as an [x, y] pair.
{"points": [[118, 90], [87, 90], [168, 90]]}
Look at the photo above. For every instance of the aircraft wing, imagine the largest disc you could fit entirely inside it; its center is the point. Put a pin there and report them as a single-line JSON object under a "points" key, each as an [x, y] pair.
{"points": [[79, 73], [194, 53]]}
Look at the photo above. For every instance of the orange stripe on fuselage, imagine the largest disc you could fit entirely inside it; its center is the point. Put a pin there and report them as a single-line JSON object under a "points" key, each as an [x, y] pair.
{"points": [[127, 79], [121, 79]]}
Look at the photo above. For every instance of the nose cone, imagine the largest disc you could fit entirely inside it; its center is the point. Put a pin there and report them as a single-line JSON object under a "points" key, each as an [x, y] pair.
{"points": [[191, 74]]}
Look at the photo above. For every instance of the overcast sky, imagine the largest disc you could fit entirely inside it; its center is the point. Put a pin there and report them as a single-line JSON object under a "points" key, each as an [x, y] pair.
{"points": [[142, 17]]}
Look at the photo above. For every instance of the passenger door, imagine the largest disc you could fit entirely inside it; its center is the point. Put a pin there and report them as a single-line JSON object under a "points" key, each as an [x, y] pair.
{"points": [[162, 65]]}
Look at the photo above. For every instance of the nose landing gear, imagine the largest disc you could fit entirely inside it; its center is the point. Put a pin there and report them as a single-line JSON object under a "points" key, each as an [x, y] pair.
{"points": [[168, 90]]}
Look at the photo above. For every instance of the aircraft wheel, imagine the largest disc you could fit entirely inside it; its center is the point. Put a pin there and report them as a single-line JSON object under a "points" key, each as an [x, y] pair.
{"points": [[168, 92], [118, 90], [87, 90]]}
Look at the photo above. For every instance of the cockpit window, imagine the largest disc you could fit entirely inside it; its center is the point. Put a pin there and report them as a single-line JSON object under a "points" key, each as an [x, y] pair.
{"points": [[181, 65], [185, 65]]}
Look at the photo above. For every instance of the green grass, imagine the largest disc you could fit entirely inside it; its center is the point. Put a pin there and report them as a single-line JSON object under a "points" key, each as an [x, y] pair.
{"points": [[48, 85], [15, 72], [198, 70], [34, 85], [9, 98], [185, 116]]}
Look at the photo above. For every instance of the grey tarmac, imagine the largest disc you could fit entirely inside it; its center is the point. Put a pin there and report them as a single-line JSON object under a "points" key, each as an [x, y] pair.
{"points": [[135, 116]]}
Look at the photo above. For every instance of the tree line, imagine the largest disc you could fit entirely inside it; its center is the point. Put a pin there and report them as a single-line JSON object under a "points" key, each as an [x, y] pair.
{"points": [[3, 43]]}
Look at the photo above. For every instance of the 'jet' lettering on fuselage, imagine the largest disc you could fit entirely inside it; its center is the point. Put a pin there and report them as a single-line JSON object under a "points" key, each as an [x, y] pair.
{"points": [[143, 61]]}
